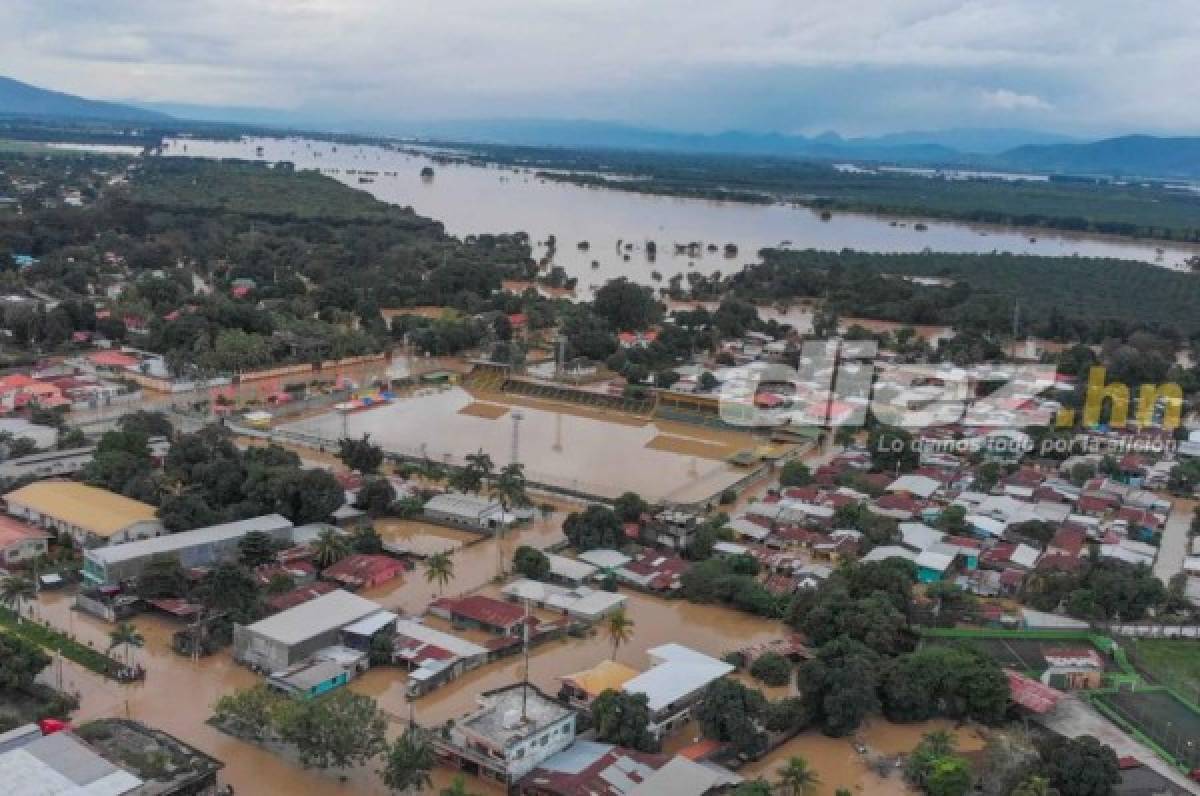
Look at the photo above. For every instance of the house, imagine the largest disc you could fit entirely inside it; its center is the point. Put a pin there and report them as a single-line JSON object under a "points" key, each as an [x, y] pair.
{"points": [[512, 731], [276, 643], [18, 391], [44, 437], [198, 549], [588, 768], [569, 571], [918, 536], [20, 542], [919, 486], [580, 689], [674, 683], [91, 516], [605, 560], [581, 602], [1067, 542], [326, 670], [475, 610], [932, 565], [654, 571], [468, 512], [300, 595], [432, 657], [363, 571]]}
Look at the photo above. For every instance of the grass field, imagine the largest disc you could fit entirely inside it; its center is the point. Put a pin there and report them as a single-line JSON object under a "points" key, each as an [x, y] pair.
{"points": [[1170, 661]]}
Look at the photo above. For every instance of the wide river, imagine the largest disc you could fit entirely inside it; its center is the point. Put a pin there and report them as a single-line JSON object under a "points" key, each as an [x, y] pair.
{"points": [[472, 200]]}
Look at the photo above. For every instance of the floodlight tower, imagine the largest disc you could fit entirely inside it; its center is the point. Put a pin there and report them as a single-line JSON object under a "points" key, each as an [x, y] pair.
{"points": [[514, 454]]}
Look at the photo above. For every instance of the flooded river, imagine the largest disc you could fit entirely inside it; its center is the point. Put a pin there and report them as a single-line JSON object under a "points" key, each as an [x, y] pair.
{"points": [[473, 200]]}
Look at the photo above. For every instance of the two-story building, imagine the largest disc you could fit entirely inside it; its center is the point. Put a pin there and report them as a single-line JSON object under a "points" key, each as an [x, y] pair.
{"points": [[513, 730]]}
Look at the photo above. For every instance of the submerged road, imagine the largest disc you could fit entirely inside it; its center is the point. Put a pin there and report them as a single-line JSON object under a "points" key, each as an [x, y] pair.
{"points": [[1173, 547]]}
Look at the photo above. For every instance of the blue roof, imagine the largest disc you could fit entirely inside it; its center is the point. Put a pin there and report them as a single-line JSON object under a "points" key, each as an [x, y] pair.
{"points": [[576, 757]]}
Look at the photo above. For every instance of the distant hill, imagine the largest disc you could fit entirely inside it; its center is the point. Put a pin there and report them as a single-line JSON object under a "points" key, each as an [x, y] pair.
{"points": [[1131, 155], [22, 99], [973, 140]]}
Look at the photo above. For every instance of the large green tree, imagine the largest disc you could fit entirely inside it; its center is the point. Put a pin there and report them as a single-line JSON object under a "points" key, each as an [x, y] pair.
{"points": [[623, 719]]}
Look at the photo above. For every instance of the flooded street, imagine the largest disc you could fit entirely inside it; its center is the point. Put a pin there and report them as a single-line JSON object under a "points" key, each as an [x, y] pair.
{"points": [[472, 200], [179, 693]]}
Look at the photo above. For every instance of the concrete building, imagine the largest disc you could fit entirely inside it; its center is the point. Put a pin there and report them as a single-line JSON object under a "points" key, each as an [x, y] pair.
{"points": [[120, 758], [514, 729], [20, 542], [468, 512], [283, 640], [203, 547], [91, 516], [674, 684]]}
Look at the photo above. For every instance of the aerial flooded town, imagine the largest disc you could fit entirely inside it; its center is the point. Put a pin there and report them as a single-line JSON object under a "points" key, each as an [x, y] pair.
{"points": [[371, 425]]}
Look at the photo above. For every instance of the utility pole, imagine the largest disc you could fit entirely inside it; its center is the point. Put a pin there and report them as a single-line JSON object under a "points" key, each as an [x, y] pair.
{"points": [[525, 676]]}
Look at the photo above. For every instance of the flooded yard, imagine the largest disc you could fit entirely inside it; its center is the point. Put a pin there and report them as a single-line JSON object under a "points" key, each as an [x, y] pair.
{"points": [[585, 453], [840, 765]]}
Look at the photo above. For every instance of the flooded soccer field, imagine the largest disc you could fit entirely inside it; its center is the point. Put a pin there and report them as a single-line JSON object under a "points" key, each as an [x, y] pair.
{"points": [[587, 451]]}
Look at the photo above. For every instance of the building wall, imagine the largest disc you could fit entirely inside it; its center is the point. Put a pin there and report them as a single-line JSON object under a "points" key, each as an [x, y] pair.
{"points": [[529, 754], [270, 655], [23, 551]]}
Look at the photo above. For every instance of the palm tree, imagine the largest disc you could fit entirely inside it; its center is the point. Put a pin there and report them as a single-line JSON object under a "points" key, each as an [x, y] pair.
{"points": [[408, 761], [797, 777], [620, 629], [439, 568], [125, 635], [15, 590], [331, 547], [509, 490]]}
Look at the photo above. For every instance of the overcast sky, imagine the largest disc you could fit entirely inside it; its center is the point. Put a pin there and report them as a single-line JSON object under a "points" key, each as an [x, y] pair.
{"points": [[856, 66]]}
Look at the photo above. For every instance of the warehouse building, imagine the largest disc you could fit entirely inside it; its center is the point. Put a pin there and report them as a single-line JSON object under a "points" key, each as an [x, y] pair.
{"points": [[91, 516], [283, 640], [201, 548], [466, 511]]}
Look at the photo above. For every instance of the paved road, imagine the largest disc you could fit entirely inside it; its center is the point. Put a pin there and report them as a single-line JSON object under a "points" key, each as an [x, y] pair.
{"points": [[1074, 718], [1174, 545]]}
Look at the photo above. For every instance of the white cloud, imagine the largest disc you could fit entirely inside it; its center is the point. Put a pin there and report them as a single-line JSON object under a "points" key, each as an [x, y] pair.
{"points": [[1003, 99], [1083, 63]]}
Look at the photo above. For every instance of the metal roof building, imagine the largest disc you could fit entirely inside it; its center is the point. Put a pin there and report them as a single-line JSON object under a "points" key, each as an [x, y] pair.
{"points": [[35, 765], [289, 637], [203, 547]]}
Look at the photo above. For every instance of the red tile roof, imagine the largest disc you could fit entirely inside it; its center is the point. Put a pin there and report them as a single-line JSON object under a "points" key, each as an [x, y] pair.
{"points": [[484, 610], [291, 599], [13, 531], [361, 569]]}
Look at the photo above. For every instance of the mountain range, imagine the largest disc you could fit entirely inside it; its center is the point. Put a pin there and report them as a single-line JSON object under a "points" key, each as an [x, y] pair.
{"points": [[22, 99], [989, 148]]}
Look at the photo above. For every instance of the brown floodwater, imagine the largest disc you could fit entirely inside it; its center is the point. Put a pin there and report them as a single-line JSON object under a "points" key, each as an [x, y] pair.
{"points": [[839, 764], [471, 200], [589, 453]]}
